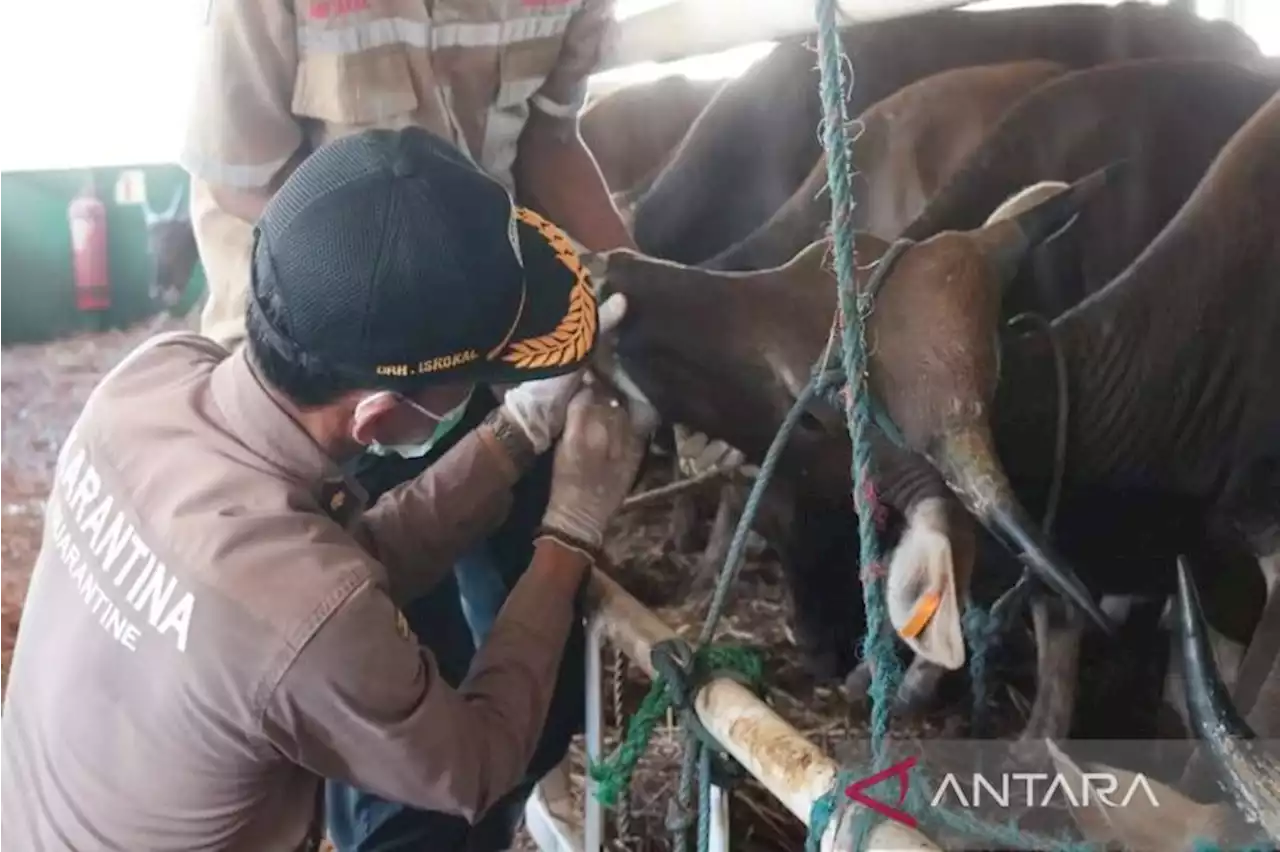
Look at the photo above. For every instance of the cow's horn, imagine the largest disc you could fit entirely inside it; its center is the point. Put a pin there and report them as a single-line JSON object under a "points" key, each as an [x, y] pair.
{"points": [[1251, 776], [970, 467], [1038, 224]]}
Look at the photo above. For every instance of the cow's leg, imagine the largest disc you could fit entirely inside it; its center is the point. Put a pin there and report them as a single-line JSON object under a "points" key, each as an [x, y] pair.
{"points": [[1058, 631], [817, 543], [721, 536]]}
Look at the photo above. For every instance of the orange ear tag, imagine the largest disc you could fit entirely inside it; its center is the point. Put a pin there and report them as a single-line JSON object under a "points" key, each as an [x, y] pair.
{"points": [[923, 613]]}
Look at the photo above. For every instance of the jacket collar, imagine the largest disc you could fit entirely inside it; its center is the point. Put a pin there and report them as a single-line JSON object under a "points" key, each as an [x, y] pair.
{"points": [[261, 423]]}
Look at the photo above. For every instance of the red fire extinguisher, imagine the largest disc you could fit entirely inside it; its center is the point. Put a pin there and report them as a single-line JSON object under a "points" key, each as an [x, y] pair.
{"points": [[87, 216]]}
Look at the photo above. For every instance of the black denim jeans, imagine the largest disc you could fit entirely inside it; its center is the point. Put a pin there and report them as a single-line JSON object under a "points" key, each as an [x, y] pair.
{"points": [[358, 821]]}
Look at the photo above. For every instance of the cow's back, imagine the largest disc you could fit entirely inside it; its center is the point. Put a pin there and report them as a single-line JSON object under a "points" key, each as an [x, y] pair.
{"points": [[1167, 119], [909, 145], [757, 139], [631, 130]]}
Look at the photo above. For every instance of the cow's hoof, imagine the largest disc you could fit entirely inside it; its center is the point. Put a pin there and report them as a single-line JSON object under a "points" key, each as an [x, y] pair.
{"points": [[917, 693]]}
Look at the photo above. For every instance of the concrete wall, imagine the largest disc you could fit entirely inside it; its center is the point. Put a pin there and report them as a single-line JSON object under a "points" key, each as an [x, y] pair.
{"points": [[36, 282]]}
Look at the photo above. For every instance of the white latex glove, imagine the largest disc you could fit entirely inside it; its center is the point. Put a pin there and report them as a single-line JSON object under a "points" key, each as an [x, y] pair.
{"points": [[595, 465], [539, 407], [696, 453]]}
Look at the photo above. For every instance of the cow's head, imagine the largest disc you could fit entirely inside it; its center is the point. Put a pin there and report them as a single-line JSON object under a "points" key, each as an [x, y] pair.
{"points": [[171, 247], [934, 366], [726, 353]]}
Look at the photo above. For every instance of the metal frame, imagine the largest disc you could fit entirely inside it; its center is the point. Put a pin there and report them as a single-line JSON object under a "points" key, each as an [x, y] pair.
{"points": [[790, 767]]}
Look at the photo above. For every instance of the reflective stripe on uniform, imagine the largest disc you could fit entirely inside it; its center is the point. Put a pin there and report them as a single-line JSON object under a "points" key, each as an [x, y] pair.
{"points": [[369, 34], [227, 174]]}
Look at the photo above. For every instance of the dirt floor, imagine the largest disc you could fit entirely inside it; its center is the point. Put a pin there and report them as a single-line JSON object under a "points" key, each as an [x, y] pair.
{"points": [[45, 386]]}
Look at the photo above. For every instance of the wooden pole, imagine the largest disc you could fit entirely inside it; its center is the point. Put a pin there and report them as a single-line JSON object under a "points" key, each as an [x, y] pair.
{"points": [[790, 767]]}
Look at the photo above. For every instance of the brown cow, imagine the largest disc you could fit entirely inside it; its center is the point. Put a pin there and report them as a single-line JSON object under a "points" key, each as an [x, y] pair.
{"points": [[630, 131], [757, 141], [738, 383], [909, 146]]}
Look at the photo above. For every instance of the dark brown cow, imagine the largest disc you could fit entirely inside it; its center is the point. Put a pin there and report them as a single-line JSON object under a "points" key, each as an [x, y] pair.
{"points": [[631, 131], [908, 147], [757, 140], [1171, 369], [738, 383], [171, 248]]}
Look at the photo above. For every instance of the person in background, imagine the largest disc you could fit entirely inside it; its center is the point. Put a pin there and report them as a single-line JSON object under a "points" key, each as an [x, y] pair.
{"points": [[211, 627], [503, 81]]}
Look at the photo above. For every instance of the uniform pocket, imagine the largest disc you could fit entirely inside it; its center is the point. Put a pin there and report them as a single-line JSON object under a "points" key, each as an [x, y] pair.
{"points": [[369, 88]]}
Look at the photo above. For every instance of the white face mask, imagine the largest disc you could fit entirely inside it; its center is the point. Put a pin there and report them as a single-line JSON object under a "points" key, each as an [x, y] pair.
{"points": [[445, 424]]}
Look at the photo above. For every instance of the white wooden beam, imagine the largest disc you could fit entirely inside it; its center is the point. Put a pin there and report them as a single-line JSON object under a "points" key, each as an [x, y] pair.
{"points": [[789, 766], [695, 27]]}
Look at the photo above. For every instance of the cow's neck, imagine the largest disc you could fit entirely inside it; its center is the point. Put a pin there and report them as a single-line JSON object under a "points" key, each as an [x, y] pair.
{"points": [[1160, 365]]}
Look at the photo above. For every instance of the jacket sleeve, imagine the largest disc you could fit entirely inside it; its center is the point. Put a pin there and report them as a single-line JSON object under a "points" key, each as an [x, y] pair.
{"points": [[417, 529], [363, 703], [586, 41], [241, 130]]}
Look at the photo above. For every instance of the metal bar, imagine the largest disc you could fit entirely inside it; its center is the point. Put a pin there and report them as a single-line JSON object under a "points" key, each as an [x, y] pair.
{"points": [[697, 27], [594, 733], [790, 767]]}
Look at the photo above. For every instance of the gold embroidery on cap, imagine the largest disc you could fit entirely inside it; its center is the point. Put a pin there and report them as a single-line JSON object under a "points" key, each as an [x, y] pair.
{"points": [[570, 340]]}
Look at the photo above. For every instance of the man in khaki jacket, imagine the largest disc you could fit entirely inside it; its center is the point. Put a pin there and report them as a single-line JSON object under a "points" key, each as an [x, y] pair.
{"points": [[503, 81], [212, 622]]}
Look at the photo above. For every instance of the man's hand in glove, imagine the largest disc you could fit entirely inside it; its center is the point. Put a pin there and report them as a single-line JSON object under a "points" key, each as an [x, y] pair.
{"points": [[595, 466], [538, 407]]}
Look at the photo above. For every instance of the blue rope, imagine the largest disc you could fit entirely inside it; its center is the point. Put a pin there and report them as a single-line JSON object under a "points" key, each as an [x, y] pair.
{"points": [[877, 644], [979, 632]]}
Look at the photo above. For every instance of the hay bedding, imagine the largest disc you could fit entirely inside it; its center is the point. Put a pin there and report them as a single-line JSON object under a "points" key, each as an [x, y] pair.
{"points": [[45, 386]]}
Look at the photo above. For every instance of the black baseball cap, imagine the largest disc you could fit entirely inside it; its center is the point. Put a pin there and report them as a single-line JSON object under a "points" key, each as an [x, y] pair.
{"points": [[389, 257]]}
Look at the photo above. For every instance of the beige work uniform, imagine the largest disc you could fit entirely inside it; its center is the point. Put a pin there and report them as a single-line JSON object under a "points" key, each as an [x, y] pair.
{"points": [[211, 627], [278, 75]]}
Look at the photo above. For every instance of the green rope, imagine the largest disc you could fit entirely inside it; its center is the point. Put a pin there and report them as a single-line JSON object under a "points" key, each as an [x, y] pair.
{"points": [[613, 774]]}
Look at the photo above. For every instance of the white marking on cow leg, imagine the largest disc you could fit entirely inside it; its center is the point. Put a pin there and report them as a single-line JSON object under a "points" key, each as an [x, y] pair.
{"points": [[1117, 607], [1058, 628], [921, 587]]}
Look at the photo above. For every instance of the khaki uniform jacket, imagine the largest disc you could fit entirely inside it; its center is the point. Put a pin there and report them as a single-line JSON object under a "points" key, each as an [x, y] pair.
{"points": [[276, 76], [212, 625]]}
